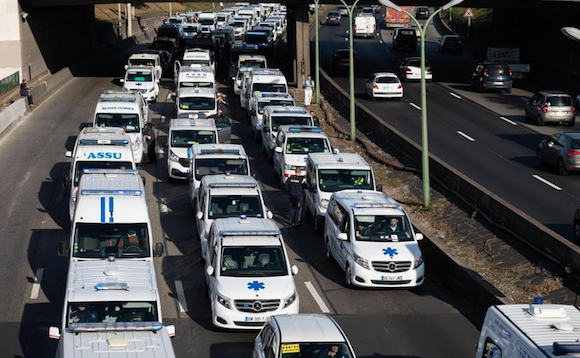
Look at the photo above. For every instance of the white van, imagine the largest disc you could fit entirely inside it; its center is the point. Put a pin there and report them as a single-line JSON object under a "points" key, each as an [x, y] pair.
{"points": [[276, 116], [184, 135], [293, 144], [111, 218], [222, 19], [196, 100], [328, 173], [146, 59], [212, 159], [227, 196], [372, 239], [365, 25], [249, 14], [259, 102], [252, 61], [112, 308], [207, 20], [193, 77], [195, 57], [248, 273], [126, 110], [262, 80], [143, 79], [535, 331], [98, 148], [239, 79]]}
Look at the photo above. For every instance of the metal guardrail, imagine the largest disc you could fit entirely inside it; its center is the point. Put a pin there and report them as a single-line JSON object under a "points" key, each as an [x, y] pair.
{"points": [[9, 82]]}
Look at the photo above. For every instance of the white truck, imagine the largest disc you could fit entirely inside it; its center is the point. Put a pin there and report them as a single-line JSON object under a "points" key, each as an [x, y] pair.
{"points": [[365, 25]]}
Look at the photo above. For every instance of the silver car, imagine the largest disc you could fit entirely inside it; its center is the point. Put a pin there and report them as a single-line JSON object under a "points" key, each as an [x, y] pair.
{"points": [[551, 107], [561, 150]]}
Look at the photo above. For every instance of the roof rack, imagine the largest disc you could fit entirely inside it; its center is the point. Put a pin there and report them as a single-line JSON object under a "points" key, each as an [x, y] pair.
{"points": [[220, 151], [117, 326], [305, 129], [375, 205], [111, 191], [232, 185]]}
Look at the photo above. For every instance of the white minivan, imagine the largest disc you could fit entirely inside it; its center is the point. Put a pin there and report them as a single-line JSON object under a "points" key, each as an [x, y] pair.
{"points": [[143, 79], [196, 100], [259, 103], [262, 80], [276, 116]]}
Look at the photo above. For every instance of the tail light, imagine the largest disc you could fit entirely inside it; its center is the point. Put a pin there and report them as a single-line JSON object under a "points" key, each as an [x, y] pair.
{"points": [[573, 152], [374, 28], [573, 110], [545, 109], [400, 86], [375, 86], [408, 69], [510, 71], [485, 72], [354, 27]]}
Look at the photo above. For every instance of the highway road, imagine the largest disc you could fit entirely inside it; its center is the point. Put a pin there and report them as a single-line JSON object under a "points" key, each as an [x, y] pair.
{"points": [[426, 323], [498, 151]]}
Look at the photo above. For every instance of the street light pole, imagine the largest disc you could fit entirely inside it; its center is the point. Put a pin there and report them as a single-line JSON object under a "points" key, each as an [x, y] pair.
{"points": [[350, 10], [316, 54], [424, 126]]}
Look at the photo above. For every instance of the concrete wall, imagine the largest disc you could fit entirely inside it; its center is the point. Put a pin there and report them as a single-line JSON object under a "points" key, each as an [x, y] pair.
{"points": [[10, 60]]}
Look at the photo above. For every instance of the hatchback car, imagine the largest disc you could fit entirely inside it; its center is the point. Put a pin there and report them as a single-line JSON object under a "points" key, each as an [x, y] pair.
{"points": [[422, 12], [342, 10], [404, 38], [551, 107], [492, 76], [450, 43], [333, 18], [384, 85], [561, 150], [410, 69], [341, 62]]}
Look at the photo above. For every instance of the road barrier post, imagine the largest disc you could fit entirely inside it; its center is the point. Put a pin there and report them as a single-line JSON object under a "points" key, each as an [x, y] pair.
{"points": [[350, 10]]}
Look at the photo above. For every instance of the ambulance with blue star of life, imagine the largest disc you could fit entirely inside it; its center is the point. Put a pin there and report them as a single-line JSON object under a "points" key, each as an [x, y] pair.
{"points": [[111, 218], [260, 101], [112, 308], [97, 148], [185, 133], [126, 110], [248, 273], [372, 238]]}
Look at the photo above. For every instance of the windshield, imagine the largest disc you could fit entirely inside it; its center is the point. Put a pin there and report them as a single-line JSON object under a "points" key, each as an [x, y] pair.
{"points": [[234, 206], [238, 24], [253, 261], [331, 180], [102, 240], [315, 350], [170, 32], [203, 103], [273, 102], [252, 64], [139, 76], [559, 101], [255, 39], [187, 63], [297, 145], [221, 18], [141, 62], [278, 121], [196, 84], [206, 22], [387, 79], [175, 21], [129, 122], [390, 228], [333, 14], [219, 166], [187, 138], [269, 87], [81, 166], [111, 312]]}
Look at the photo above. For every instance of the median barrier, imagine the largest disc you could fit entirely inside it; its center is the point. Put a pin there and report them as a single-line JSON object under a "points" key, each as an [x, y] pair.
{"points": [[12, 113]]}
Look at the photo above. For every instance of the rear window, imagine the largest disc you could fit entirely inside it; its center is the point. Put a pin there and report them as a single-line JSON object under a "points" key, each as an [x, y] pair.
{"points": [[417, 63], [498, 70], [387, 80], [559, 101], [342, 54], [333, 13], [253, 39], [406, 32], [452, 39]]}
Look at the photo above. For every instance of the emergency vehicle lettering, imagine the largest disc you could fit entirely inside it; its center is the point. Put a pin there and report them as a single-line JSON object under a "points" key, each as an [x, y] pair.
{"points": [[118, 108], [197, 75], [105, 155]]}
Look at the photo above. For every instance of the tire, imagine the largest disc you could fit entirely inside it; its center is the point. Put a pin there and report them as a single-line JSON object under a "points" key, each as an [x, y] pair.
{"points": [[539, 121], [571, 124], [329, 256], [348, 277], [509, 90], [561, 168], [539, 158]]}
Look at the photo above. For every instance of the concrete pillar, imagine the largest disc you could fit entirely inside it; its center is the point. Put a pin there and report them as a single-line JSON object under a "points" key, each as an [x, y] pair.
{"points": [[129, 20], [10, 47], [299, 42]]}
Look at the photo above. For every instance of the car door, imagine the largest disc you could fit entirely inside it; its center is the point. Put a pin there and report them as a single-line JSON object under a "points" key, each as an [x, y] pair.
{"points": [[158, 68], [279, 157], [262, 341], [552, 149], [533, 107], [212, 259], [176, 69], [369, 83], [312, 187], [342, 227]]}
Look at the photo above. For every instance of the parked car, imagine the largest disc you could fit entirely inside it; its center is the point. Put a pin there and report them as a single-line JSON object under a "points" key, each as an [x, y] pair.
{"points": [[450, 43], [384, 85], [551, 107], [492, 76], [333, 18], [422, 12], [340, 61], [404, 38], [561, 150], [410, 69]]}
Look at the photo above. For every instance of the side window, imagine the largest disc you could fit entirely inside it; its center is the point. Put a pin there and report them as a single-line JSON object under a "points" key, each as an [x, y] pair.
{"points": [[266, 334], [342, 219], [271, 348], [202, 201], [346, 225], [491, 350], [371, 79]]}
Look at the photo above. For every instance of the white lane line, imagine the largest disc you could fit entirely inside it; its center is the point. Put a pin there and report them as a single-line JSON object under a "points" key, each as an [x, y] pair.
{"points": [[455, 95], [163, 206], [317, 297], [509, 121], [162, 119], [36, 284], [524, 99], [465, 136], [381, 42], [554, 186], [180, 296], [414, 105], [60, 194], [378, 34], [168, 96]]}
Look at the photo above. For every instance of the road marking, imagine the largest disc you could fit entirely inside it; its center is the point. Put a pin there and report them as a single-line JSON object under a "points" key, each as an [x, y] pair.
{"points": [[60, 194], [163, 206], [317, 297], [509, 121], [180, 296], [381, 42], [414, 105], [455, 95], [162, 119], [554, 186], [377, 34], [36, 284], [168, 96], [465, 136]]}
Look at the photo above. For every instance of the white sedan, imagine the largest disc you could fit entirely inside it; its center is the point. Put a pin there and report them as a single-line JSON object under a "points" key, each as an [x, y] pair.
{"points": [[384, 85], [410, 69]]}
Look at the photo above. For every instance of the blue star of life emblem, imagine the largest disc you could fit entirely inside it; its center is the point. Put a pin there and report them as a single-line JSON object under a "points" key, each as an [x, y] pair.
{"points": [[389, 251], [256, 286]]}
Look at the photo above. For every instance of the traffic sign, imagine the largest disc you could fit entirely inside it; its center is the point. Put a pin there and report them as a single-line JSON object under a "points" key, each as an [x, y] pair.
{"points": [[468, 13]]}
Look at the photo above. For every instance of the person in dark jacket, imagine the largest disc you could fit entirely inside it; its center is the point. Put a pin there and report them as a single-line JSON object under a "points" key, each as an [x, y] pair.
{"points": [[150, 139], [295, 184], [26, 92]]}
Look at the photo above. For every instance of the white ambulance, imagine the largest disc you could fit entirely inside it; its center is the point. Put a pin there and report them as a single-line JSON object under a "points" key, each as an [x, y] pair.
{"points": [[184, 135], [98, 148], [143, 79], [328, 173], [262, 80], [112, 308], [259, 102], [276, 116], [111, 218], [293, 144], [248, 273], [371, 237], [195, 57], [227, 196], [196, 100], [126, 110], [194, 77], [146, 59]]}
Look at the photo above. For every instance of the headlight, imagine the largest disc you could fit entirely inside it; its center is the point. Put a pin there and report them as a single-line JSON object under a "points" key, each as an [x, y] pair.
{"points": [[418, 262], [137, 142], [173, 157], [289, 300], [224, 301], [324, 203], [362, 262], [289, 167]]}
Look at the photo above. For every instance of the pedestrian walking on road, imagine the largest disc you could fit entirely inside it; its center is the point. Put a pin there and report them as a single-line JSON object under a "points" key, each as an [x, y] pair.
{"points": [[26, 92], [221, 103], [295, 184], [308, 89], [150, 138]]}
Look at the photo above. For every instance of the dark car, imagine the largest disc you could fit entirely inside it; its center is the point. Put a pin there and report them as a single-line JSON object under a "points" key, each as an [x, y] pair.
{"points": [[333, 18], [171, 31], [422, 12], [260, 39], [168, 45], [492, 76], [561, 150], [404, 38], [341, 62], [450, 43]]}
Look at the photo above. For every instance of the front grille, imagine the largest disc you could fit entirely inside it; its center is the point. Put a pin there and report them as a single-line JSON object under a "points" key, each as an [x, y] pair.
{"points": [[256, 306], [391, 266], [391, 283], [248, 324], [184, 162]]}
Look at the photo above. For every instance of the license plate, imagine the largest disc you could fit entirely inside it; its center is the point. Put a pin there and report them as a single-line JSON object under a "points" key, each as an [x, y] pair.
{"points": [[498, 83], [391, 278], [256, 319]]}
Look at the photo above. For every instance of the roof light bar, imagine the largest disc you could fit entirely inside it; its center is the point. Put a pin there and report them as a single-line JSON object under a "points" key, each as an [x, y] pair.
{"points": [[115, 192], [103, 141], [112, 286], [118, 326]]}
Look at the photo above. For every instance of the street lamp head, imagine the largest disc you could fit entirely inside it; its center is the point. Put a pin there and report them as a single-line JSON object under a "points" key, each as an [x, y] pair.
{"points": [[451, 4], [390, 4], [572, 33]]}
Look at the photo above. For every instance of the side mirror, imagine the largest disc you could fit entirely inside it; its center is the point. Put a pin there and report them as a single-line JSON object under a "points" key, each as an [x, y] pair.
{"points": [[342, 236], [63, 249], [170, 330], [419, 237], [209, 270], [122, 80], [278, 150], [199, 215], [159, 249], [379, 187], [144, 180], [54, 333], [335, 151], [294, 270], [269, 214], [126, 66], [68, 154]]}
